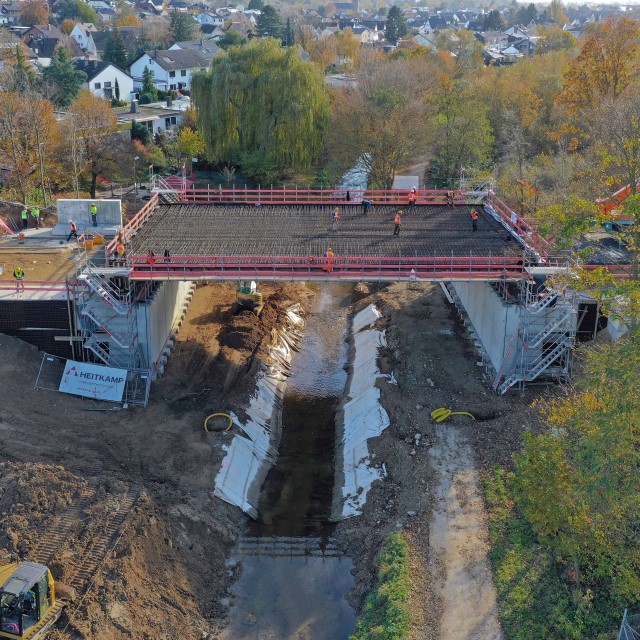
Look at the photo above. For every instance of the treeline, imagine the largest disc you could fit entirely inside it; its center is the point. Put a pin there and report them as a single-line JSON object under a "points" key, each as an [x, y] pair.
{"points": [[541, 126]]}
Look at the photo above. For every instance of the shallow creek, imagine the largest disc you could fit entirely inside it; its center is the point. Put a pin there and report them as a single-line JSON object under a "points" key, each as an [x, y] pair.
{"points": [[294, 578]]}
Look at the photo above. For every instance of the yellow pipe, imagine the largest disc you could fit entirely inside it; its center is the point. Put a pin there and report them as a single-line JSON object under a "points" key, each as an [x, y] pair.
{"points": [[442, 414], [224, 415]]}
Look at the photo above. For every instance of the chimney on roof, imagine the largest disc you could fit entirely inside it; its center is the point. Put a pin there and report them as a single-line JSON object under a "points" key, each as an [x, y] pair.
{"points": [[134, 106]]}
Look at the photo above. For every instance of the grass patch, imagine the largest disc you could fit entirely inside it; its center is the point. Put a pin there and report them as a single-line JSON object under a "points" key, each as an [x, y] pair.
{"points": [[385, 615], [537, 598]]}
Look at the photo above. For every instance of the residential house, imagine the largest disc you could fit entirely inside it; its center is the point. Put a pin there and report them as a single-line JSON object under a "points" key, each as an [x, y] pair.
{"points": [[207, 48], [8, 46], [364, 35], [103, 77], [130, 37], [327, 32], [210, 18], [437, 23], [43, 40], [10, 13], [511, 54], [157, 116], [526, 46], [106, 15], [244, 25], [493, 39], [425, 40], [83, 33], [216, 34], [171, 69]]}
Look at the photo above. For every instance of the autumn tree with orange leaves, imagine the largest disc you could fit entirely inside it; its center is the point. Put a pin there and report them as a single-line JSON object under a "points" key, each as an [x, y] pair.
{"points": [[606, 66]]}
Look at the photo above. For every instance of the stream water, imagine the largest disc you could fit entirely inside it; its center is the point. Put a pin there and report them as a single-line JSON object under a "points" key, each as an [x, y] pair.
{"points": [[294, 578]]}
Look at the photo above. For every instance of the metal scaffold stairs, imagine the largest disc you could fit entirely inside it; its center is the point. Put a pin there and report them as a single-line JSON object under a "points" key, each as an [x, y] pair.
{"points": [[107, 316], [542, 343], [545, 303], [166, 192], [124, 339], [537, 367], [102, 287], [538, 339], [507, 360]]}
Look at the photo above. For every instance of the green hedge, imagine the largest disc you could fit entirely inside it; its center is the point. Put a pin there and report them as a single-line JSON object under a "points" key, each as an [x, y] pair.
{"points": [[537, 599], [385, 615]]}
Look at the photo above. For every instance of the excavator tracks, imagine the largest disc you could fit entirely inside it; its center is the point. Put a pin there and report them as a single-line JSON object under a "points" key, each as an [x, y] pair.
{"points": [[95, 553], [54, 537]]}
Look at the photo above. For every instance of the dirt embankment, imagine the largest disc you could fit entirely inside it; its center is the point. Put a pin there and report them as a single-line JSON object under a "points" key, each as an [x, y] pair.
{"points": [[166, 576], [432, 489], [69, 469]]}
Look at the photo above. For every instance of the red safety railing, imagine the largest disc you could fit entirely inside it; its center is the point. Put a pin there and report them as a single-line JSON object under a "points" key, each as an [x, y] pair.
{"points": [[321, 268], [133, 225], [33, 285], [315, 196], [530, 236]]}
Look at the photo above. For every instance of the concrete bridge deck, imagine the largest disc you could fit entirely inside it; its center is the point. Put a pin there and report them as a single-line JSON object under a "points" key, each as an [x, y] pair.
{"points": [[230, 241]]}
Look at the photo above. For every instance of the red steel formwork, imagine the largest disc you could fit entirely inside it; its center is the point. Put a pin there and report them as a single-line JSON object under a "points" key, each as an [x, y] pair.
{"points": [[342, 267], [351, 268], [315, 196]]}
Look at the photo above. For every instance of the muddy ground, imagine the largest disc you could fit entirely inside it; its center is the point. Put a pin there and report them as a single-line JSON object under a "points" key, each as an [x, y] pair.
{"points": [[67, 468]]}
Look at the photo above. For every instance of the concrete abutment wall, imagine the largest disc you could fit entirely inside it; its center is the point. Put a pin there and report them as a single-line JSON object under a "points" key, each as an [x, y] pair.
{"points": [[492, 318]]}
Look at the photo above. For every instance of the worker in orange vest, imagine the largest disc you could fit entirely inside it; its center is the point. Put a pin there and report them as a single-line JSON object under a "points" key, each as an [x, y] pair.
{"points": [[413, 196], [328, 264], [474, 219], [396, 222], [151, 258], [336, 218]]}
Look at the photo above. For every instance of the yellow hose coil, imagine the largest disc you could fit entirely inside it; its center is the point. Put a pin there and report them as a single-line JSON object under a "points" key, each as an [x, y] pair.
{"points": [[442, 414], [213, 415]]}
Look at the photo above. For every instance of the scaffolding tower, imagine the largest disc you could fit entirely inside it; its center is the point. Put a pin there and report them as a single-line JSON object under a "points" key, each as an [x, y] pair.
{"points": [[630, 628], [544, 340], [107, 321]]}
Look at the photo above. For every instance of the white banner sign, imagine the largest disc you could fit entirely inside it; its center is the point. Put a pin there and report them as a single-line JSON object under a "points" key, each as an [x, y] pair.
{"points": [[93, 381]]}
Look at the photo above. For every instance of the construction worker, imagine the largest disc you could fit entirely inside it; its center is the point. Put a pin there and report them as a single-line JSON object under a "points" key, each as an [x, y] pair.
{"points": [[18, 274], [24, 214], [336, 218], [366, 204], [73, 230], [396, 221], [328, 263], [450, 196], [94, 214], [413, 196], [35, 212], [474, 219], [151, 258]]}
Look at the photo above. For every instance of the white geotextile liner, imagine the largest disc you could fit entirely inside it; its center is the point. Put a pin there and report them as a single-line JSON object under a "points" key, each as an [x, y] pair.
{"points": [[364, 318], [363, 416], [249, 457]]}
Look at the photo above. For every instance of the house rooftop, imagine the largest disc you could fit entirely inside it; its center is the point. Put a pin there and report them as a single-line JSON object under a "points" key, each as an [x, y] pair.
{"points": [[180, 58]]}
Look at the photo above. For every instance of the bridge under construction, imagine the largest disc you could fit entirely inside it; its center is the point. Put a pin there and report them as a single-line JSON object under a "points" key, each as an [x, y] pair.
{"points": [[125, 308]]}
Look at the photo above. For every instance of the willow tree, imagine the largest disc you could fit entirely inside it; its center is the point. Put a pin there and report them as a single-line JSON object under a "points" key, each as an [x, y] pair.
{"points": [[260, 106]]}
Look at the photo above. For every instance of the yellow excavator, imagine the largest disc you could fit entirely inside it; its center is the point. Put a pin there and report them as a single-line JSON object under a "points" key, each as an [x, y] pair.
{"points": [[29, 604]]}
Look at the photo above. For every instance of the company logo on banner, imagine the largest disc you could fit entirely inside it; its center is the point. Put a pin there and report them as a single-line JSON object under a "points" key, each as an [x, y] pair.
{"points": [[93, 381]]}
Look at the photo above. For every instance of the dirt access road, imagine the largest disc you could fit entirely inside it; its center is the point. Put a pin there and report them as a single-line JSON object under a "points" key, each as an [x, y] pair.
{"points": [[74, 476]]}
